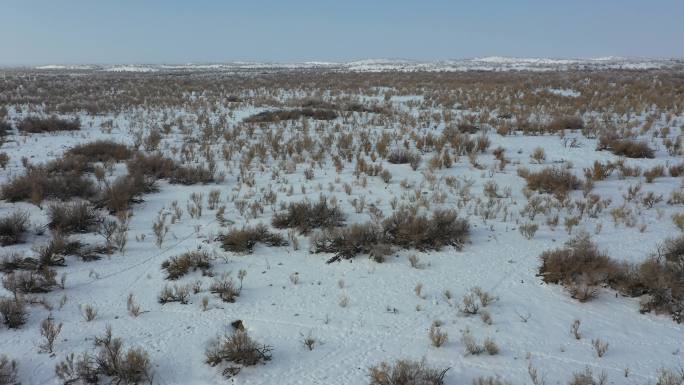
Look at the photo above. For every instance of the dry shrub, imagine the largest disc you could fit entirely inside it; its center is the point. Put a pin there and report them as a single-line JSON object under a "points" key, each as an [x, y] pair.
{"points": [[408, 230], [578, 263], [16, 261], [55, 251], [489, 381], [305, 216], [5, 129], [552, 180], [587, 378], [658, 280], [100, 151], [30, 282], [73, 217], [191, 175], [8, 371], [175, 293], [565, 123], [653, 173], [176, 267], [280, 115], [243, 240], [13, 311], [238, 349], [406, 372], [403, 229], [676, 170], [38, 184], [225, 288], [112, 361], [155, 165], [34, 125], [625, 147], [13, 227], [347, 242], [661, 279], [401, 156], [437, 336], [117, 196], [670, 377]]}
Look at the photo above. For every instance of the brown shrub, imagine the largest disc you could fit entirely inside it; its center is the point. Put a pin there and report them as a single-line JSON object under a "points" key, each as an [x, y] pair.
{"points": [[13, 227], [239, 349], [121, 366], [33, 125], [13, 311], [5, 128], [175, 293], [55, 251], [155, 165], [625, 147], [73, 217], [16, 261], [565, 123], [553, 180], [117, 196], [38, 184], [243, 240], [30, 282], [177, 267], [191, 175], [579, 261], [8, 371], [405, 372], [279, 115], [658, 280], [347, 242], [225, 288], [676, 170], [101, 151], [653, 173], [401, 156], [305, 216], [408, 230]]}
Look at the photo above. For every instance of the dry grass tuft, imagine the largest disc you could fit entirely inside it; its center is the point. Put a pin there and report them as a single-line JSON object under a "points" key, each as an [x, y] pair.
{"points": [[405, 372]]}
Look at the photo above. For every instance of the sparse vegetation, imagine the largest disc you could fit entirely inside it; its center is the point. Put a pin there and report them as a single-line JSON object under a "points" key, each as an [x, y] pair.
{"points": [[406, 372], [239, 350], [243, 240]]}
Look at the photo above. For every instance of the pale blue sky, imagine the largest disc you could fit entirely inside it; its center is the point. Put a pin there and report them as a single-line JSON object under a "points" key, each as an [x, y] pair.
{"points": [[174, 31]]}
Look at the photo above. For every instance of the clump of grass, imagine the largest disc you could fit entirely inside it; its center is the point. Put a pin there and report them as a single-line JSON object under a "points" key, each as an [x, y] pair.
{"points": [[551, 180], [73, 217], [13, 227], [178, 266], [347, 242], [33, 125], [111, 361], [305, 216], [296, 114], [38, 184], [237, 349], [625, 147], [404, 229], [101, 151], [406, 372], [13, 312], [408, 230], [243, 240], [8, 370]]}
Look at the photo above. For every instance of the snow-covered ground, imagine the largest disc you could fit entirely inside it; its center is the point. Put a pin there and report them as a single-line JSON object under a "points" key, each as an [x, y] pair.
{"points": [[384, 318]]}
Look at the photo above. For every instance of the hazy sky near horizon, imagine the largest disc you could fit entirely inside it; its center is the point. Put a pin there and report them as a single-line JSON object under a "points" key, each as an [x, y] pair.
{"points": [[174, 31]]}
